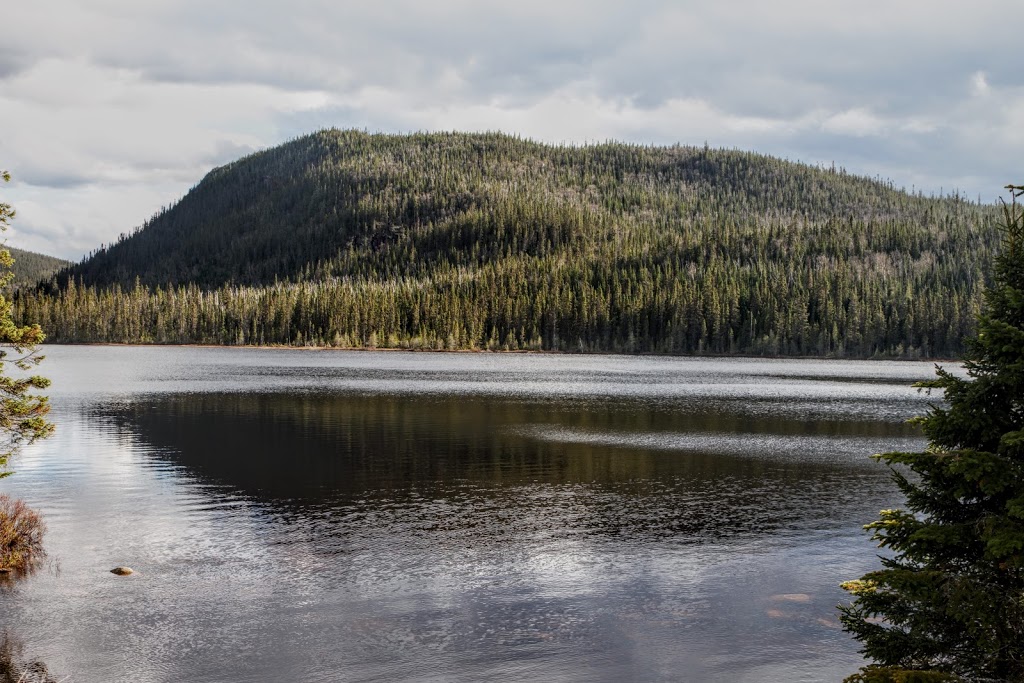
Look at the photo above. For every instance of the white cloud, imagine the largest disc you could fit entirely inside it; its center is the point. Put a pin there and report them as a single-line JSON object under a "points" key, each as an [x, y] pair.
{"points": [[979, 84], [857, 122]]}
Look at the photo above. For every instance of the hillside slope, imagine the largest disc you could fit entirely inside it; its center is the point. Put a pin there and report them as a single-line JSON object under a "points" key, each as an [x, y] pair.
{"points": [[30, 268], [490, 241]]}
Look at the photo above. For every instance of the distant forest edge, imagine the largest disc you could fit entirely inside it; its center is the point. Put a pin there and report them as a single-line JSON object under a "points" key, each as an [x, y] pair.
{"points": [[489, 241]]}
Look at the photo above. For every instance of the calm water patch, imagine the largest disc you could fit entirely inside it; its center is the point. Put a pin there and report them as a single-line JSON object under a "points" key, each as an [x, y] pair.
{"points": [[334, 516]]}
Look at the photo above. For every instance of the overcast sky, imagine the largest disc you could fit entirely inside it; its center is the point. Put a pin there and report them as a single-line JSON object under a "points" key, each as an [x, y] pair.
{"points": [[110, 109]]}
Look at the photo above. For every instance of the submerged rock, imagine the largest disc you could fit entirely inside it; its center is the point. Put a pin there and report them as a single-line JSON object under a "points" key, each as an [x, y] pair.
{"points": [[122, 571]]}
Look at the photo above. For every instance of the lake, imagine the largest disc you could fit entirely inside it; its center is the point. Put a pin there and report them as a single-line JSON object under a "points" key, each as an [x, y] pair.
{"points": [[380, 516]]}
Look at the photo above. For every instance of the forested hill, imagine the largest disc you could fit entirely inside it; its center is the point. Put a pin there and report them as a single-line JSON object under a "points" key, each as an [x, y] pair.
{"points": [[29, 267], [491, 241]]}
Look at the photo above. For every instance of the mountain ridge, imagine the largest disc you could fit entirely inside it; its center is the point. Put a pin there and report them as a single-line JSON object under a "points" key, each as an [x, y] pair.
{"points": [[487, 240]]}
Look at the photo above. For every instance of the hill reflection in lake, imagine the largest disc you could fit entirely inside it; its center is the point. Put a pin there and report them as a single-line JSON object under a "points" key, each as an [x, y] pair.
{"points": [[321, 450]]}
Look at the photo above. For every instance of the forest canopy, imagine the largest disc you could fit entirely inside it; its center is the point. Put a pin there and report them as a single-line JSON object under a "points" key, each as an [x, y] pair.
{"points": [[489, 241]]}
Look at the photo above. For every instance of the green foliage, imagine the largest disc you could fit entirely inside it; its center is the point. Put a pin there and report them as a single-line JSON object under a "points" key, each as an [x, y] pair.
{"points": [[22, 413], [950, 598], [487, 241]]}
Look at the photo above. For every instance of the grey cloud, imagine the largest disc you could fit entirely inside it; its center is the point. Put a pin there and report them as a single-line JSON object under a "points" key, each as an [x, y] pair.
{"points": [[12, 62], [413, 44], [880, 88], [53, 179], [225, 151], [651, 52]]}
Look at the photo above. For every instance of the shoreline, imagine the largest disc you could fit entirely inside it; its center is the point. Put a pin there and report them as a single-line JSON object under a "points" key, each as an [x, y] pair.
{"points": [[283, 347]]}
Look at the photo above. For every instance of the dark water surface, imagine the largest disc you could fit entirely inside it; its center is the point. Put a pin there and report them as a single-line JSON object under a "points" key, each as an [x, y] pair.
{"points": [[335, 516]]}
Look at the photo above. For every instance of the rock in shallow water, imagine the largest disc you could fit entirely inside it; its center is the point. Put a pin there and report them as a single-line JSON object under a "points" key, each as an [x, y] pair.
{"points": [[122, 571]]}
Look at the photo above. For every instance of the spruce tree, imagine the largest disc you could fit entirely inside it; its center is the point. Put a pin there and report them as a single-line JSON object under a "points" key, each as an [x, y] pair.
{"points": [[22, 413], [948, 602]]}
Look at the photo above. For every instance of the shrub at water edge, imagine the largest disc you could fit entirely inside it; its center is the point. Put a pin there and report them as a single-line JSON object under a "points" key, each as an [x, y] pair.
{"points": [[21, 535]]}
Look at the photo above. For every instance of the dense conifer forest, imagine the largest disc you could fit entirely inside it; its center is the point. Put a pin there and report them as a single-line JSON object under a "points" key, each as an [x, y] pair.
{"points": [[29, 267], [489, 241]]}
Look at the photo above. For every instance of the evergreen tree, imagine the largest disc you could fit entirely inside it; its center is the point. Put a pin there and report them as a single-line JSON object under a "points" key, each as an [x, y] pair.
{"points": [[949, 602], [22, 414]]}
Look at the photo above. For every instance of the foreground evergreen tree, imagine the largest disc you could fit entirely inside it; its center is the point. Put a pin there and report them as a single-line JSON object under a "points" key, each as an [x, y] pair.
{"points": [[949, 602], [22, 419], [22, 414]]}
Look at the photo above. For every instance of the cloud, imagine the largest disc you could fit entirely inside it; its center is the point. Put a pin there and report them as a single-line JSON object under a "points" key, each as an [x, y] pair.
{"points": [[119, 107], [859, 122], [979, 84]]}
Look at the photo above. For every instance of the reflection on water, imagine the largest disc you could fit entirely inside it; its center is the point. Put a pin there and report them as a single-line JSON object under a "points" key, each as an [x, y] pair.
{"points": [[621, 469], [16, 668], [290, 445], [383, 516]]}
